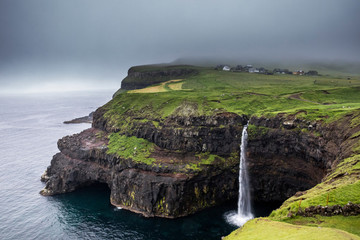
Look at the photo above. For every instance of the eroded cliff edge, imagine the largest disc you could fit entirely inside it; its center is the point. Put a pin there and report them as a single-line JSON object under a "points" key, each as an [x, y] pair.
{"points": [[173, 180]]}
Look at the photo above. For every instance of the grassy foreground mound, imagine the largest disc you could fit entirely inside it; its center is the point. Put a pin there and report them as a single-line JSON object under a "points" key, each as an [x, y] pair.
{"points": [[323, 100], [263, 228]]}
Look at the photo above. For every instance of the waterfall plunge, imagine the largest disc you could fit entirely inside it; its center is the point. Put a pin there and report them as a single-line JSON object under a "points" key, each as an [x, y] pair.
{"points": [[244, 203]]}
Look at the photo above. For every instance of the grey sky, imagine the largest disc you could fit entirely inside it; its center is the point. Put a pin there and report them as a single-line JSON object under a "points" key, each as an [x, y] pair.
{"points": [[98, 40]]}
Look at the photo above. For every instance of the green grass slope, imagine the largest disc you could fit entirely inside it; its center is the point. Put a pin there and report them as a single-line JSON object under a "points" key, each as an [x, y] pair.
{"points": [[237, 92], [263, 228], [213, 91]]}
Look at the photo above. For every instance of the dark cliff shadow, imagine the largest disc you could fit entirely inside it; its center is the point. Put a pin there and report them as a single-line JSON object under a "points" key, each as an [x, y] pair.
{"points": [[88, 214]]}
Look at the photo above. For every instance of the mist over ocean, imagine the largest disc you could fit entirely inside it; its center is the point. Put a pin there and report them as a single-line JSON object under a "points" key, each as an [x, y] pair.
{"points": [[29, 129]]}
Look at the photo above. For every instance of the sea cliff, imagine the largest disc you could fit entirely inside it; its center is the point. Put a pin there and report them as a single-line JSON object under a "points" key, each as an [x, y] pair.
{"points": [[172, 149]]}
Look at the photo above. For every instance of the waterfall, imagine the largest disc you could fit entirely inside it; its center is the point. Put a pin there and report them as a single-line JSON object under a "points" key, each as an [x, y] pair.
{"points": [[243, 213], [244, 203]]}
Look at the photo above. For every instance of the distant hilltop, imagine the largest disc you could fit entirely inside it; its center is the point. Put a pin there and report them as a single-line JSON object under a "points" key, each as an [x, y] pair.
{"points": [[144, 76], [324, 67]]}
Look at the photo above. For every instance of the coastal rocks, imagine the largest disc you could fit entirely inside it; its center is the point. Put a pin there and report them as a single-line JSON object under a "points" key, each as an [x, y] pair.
{"points": [[169, 191], [85, 119], [170, 195], [66, 175]]}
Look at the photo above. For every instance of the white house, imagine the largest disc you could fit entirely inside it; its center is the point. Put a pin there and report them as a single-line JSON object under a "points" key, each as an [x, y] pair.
{"points": [[226, 68], [252, 70]]}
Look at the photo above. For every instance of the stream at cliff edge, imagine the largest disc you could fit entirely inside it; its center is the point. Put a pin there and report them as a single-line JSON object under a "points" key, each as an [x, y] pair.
{"points": [[29, 129]]}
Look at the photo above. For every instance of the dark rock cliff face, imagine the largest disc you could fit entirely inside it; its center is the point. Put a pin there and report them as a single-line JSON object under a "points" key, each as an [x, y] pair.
{"points": [[283, 159], [287, 155], [150, 190], [219, 134]]}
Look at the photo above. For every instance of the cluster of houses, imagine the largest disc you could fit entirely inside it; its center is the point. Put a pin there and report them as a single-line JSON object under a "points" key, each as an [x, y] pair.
{"points": [[249, 68]]}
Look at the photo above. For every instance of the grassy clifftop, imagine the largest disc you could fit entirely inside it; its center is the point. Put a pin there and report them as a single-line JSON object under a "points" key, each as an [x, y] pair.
{"points": [[211, 91]]}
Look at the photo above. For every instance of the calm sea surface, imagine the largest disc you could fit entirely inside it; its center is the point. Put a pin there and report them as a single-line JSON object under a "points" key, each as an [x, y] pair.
{"points": [[29, 129]]}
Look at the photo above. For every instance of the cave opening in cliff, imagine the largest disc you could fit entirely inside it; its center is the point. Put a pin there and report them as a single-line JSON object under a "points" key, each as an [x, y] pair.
{"points": [[96, 191], [96, 185]]}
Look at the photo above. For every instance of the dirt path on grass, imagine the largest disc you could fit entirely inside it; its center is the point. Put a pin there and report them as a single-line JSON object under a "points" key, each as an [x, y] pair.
{"points": [[161, 87]]}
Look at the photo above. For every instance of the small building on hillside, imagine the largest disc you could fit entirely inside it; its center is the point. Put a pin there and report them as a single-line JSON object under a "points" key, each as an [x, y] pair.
{"points": [[282, 71], [254, 70], [226, 68], [247, 68], [238, 68], [263, 70], [299, 72]]}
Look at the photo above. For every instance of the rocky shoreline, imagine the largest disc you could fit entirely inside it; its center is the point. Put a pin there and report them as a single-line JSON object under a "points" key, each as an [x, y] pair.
{"points": [[85, 119]]}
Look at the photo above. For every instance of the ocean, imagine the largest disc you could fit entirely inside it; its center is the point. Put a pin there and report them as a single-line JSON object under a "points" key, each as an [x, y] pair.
{"points": [[29, 129]]}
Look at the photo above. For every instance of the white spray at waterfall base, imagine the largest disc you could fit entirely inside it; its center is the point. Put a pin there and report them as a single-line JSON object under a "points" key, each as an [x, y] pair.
{"points": [[243, 213]]}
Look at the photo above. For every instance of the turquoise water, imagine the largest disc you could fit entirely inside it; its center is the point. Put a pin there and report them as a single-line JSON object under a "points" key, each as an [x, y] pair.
{"points": [[29, 129]]}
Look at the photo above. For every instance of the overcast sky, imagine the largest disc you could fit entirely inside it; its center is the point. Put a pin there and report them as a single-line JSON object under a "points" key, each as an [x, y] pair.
{"points": [[96, 41]]}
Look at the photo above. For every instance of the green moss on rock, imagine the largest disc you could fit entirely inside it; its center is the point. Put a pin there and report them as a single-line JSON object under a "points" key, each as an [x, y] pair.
{"points": [[134, 148], [256, 131]]}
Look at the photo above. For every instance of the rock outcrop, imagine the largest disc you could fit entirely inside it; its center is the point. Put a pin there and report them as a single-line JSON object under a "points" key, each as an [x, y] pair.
{"points": [[85, 119], [350, 209], [141, 76], [219, 134], [152, 190]]}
